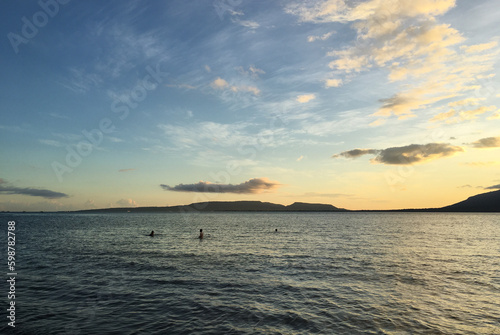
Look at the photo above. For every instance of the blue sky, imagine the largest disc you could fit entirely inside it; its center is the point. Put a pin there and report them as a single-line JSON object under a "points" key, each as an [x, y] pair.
{"points": [[371, 104]]}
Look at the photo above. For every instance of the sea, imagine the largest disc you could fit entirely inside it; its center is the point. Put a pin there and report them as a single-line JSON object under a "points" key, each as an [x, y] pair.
{"points": [[252, 273]]}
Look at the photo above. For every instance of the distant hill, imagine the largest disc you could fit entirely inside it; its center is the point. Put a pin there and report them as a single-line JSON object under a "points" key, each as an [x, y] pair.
{"points": [[484, 202], [224, 206], [306, 207]]}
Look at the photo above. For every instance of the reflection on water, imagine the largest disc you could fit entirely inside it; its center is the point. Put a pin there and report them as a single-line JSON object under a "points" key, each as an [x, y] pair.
{"points": [[323, 273]]}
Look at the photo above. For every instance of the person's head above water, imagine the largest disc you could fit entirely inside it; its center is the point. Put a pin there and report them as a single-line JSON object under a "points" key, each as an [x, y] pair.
{"points": [[152, 233]]}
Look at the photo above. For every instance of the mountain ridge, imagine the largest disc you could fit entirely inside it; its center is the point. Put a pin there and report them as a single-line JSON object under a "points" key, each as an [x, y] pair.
{"points": [[483, 202], [226, 206]]}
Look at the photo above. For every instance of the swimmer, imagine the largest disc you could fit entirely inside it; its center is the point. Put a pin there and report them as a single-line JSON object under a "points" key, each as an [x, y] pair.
{"points": [[276, 230], [201, 234], [152, 233]]}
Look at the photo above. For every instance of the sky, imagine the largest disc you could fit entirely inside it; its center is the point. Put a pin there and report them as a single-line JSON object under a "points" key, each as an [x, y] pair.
{"points": [[375, 104]]}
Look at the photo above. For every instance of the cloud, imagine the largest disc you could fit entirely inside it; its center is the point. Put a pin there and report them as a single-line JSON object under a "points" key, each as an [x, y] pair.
{"points": [[323, 37], [406, 38], [252, 72], [473, 113], [252, 186], [248, 24], [494, 187], [495, 116], [221, 84], [245, 88], [305, 98], [416, 153], [6, 188], [488, 142], [333, 83], [52, 143], [126, 203], [59, 116], [202, 134], [443, 116], [465, 102], [356, 153], [340, 11], [377, 123], [406, 155], [454, 116], [479, 47]]}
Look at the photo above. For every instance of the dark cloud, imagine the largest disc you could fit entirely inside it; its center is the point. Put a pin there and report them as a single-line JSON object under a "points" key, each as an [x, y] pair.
{"points": [[255, 185], [5, 188], [488, 142], [356, 153], [126, 170], [416, 153], [406, 155], [494, 187]]}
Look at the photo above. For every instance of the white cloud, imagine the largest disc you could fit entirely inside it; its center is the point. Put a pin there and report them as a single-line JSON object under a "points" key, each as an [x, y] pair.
{"points": [[248, 24], [52, 143], [323, 37]]}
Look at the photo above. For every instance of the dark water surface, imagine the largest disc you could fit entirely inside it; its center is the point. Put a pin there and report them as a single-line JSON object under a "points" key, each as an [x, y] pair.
{"points": [[321, 273]]}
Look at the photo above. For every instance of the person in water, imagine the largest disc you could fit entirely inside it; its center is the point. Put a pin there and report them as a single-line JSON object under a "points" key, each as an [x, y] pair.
{"points": [[152, 233], [201, 234]]}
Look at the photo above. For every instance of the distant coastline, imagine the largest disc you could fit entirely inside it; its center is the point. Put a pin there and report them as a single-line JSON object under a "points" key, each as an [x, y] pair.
{"points": [[481, 203]]}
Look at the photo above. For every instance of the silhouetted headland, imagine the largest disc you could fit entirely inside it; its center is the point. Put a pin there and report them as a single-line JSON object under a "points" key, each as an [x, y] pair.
{"points": [[225, 206], [485, 202]]}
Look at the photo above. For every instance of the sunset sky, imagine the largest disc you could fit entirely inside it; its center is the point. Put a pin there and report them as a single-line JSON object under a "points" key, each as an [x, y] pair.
{"points": [[377, 104]]}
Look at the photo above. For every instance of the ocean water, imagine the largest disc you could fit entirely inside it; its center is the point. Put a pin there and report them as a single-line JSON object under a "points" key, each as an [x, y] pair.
{"points": [[320, 273]]}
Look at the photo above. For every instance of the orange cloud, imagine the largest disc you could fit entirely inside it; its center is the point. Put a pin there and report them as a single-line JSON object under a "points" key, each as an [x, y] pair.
{"points": [[333, 82], [480, 47], [220, 83], [305, 98], [405, 37]]}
